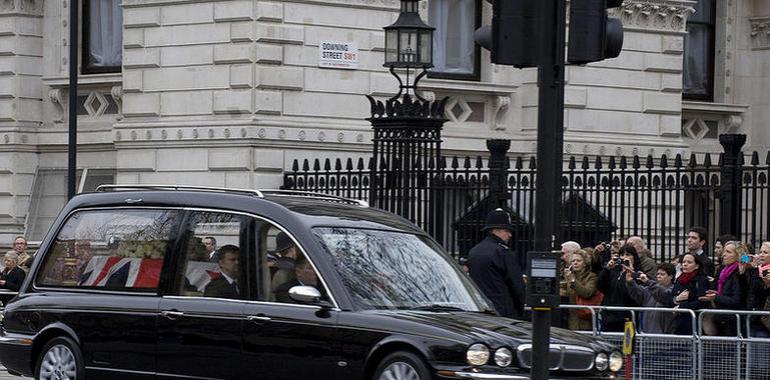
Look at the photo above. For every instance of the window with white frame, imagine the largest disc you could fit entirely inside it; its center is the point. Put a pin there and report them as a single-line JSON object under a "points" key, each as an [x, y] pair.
{"points": [[102, 36], [455, 53], [698, 75]]}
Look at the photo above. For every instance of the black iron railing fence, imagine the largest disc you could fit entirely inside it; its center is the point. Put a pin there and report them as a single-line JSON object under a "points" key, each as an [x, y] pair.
{"points": [[657, 198]]}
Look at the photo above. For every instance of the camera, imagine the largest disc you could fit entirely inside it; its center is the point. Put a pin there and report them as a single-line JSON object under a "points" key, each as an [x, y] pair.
{"points": [[626, 262], [607, 247], [636, 275], [617, 261], [765, 272]]}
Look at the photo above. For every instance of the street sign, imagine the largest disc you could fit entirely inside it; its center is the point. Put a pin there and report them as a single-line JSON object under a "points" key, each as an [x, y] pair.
{"points": [[338, 55]]}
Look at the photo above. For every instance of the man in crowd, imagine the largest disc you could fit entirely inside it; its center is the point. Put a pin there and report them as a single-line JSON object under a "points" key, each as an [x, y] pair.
{"points": [[568, 249], [646, 262], [495, 268], [696, 241], [24, 259], [226, 285]]}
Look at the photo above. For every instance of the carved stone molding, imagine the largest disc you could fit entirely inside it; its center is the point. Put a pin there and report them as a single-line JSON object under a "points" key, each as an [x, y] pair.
{"points": [[30, 7], [55, 95], [117, 95], [760, 33], [655, 15], [502, 103]]}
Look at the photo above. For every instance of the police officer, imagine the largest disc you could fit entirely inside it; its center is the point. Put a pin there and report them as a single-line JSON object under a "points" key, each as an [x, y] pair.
{"points": [[495, 268]]}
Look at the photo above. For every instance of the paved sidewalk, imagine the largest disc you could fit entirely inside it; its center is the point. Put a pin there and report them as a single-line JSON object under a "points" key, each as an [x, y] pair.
{"points": [[5, 376]]}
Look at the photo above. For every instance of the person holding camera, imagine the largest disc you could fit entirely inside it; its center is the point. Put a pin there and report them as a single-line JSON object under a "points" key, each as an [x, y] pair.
{"points": [[581, 289], [758, 288], [612, 283], [648, 293], [729, 292]]}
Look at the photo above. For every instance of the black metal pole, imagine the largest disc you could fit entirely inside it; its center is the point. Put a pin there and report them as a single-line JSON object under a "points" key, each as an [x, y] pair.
{"points": [[550, 141], [72, 100]]}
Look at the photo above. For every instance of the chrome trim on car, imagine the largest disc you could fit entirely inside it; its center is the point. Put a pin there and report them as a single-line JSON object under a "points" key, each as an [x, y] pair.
{"points": [[16, 341], [488, 376], [562, 349]]}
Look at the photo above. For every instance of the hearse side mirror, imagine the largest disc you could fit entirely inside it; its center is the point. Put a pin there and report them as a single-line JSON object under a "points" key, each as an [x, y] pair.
{"points": [[308, 295]]}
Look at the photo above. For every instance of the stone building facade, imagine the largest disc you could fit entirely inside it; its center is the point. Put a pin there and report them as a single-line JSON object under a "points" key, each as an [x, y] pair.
{"points": [[229, 92]]}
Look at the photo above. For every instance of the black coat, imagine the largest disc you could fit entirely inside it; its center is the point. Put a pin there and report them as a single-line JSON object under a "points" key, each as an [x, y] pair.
{"points": [[13, 278], [697, 288], [733, 292], [496, 271], [221, 288], [755, 289], [612, 282]]}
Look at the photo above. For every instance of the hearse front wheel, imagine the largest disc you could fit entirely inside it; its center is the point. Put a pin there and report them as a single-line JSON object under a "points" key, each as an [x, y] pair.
{"points": [[60, 360], [402, 365]]}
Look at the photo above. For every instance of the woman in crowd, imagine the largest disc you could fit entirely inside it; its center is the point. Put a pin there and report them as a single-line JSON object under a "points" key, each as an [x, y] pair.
{"points": [[689, 287], [758, 281], [581, 282], [729, 292], [12, 276], [612, 282]]}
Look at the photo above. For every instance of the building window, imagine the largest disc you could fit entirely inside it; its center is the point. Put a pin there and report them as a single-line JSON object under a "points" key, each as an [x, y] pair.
{"points": [[102, 36], [455, 54], [698, 76]]}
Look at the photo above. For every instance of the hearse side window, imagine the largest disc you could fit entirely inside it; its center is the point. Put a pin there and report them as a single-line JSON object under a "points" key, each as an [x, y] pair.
{"points": [[283, 266], [213, 255], [110, 249]]}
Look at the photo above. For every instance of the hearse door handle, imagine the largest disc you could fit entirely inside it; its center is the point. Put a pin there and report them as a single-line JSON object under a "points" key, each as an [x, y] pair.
{"points": [[171, 314], [259, 318]]}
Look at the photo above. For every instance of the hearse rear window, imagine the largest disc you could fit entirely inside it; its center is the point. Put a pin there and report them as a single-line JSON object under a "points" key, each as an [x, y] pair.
{"points": [[110, 249]]}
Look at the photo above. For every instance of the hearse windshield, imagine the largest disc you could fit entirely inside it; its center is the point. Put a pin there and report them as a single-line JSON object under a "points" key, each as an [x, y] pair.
{"points": [[397, 271]]}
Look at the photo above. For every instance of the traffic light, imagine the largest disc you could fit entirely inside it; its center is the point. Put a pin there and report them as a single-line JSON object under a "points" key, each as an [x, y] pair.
{"points": [[592, 35], [512, 38]]}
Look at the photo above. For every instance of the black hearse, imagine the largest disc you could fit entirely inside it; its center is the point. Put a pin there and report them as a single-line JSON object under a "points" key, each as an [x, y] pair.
{"points": [[181, 282]]}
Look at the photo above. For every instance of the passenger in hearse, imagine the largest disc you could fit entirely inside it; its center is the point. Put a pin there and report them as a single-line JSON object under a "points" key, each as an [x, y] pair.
{"points": [[226, 285]]}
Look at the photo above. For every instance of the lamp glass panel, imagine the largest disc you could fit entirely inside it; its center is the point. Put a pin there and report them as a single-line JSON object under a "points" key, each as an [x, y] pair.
{"points": [[391, 46], [426, 47], [408, 46]]}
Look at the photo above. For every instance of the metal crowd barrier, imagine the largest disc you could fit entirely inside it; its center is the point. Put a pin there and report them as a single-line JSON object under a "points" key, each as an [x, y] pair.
{"points": [[696, 356]]}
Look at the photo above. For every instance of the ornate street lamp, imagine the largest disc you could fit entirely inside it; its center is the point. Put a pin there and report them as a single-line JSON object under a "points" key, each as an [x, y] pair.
{"points": [[406, 146], [408, 45]]}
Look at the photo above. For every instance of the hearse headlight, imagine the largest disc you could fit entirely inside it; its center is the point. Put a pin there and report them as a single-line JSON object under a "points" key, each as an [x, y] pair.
{"points": [[601, 361], [616, 361], [478, 354], [503, 357]]}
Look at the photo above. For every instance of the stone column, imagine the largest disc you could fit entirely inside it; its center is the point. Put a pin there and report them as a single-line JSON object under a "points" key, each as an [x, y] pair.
{"points": [[21, 51]]}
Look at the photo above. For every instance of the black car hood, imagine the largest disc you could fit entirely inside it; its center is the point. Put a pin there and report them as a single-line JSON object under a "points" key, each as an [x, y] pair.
{"points": [[490, 329]]}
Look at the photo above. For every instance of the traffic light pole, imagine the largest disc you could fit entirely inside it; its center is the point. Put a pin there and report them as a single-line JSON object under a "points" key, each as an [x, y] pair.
{"points": [[550, 142]]}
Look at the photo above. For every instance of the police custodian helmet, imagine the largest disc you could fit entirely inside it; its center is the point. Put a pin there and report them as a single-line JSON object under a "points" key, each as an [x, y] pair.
{"points": [[498, 218]]}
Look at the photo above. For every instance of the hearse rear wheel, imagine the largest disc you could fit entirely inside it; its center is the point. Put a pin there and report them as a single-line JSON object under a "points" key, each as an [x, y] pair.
{"points": [[402, 365], [60, 360]]}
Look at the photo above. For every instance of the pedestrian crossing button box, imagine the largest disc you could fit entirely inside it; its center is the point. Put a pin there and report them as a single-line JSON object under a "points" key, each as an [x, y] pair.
{"points": [[543, 284]]}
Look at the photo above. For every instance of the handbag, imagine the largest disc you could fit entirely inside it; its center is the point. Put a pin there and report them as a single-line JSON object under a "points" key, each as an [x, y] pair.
{"points": [[595, 300]]}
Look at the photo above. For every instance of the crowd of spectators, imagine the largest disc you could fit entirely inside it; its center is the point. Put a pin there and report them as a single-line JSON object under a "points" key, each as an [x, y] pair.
{"points": [[624, 273]]}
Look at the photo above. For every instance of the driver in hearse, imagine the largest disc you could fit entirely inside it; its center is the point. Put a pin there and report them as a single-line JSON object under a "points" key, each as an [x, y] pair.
{"points": [[305, 276]]}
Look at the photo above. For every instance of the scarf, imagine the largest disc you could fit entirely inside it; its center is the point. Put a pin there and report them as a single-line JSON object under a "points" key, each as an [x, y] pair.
{"points": [[723, 275], [685, 278]]}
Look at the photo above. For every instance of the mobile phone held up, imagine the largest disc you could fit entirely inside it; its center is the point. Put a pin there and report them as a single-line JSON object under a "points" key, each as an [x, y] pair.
{"points": [[745, 259]]}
